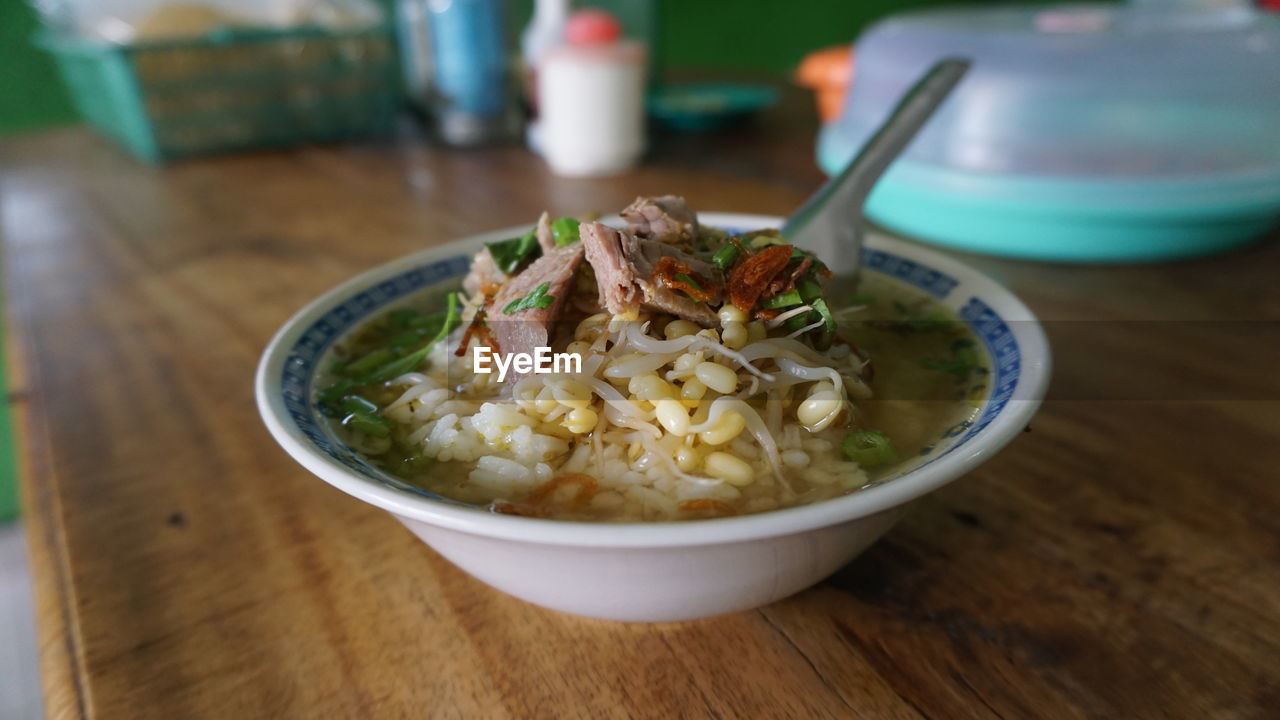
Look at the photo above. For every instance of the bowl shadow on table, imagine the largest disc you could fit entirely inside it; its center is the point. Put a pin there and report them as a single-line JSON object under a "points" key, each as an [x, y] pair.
{"points": [[921, 577], [887, 575], [919, 573], [902, 569]]}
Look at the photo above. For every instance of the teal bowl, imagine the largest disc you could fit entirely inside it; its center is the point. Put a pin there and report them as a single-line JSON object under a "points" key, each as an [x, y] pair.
{"points": [[1070, 220], [707, 106]]}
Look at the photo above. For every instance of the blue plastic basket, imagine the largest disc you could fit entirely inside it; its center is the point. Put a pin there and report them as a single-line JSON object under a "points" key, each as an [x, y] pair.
{"points": [[233, 89]]}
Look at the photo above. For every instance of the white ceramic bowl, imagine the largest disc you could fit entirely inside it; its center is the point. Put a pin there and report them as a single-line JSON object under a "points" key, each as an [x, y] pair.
{"points": [[652, 571]]}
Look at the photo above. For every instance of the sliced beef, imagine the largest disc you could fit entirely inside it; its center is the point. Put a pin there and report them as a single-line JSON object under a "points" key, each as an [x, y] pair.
{"points": [[624, 265], [665, 219], [522, 331], [484, 278], [615, 277]]}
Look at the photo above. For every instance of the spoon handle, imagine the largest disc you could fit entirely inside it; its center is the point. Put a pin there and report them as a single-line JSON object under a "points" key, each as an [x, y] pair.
{"points": [[830, 221]]}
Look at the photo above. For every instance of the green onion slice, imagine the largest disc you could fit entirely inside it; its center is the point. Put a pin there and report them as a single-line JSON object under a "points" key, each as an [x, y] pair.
{"points": [[725, 257], [510, 255], [782, 300], [565, 231], [536, 299], [688, 280], [868, 448]]}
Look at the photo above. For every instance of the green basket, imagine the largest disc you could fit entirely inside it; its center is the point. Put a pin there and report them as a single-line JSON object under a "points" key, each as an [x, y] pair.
{"points": [[233, 89]]}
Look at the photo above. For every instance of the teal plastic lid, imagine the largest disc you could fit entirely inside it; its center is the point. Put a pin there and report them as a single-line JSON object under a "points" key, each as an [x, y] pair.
{"points": [[1082, 132]]}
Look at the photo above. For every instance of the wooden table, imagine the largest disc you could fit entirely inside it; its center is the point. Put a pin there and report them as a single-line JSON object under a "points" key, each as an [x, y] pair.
{"points": [[1121, 559]]}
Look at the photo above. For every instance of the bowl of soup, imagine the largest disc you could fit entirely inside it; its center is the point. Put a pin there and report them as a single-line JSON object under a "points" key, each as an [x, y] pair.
{"points": [[658, 416]]}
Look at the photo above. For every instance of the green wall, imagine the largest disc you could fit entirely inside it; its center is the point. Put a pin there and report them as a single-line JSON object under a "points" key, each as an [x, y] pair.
{"points": [[31, 95], [766, 35], [755, 35], [759, 35]]}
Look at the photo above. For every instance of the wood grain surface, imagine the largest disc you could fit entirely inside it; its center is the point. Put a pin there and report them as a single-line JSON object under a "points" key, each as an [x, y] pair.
{"points": [[1120, 559]]}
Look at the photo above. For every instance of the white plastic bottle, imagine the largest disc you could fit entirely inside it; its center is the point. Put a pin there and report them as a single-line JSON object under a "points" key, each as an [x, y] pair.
{"points": [[544, 32], [591, 93]]}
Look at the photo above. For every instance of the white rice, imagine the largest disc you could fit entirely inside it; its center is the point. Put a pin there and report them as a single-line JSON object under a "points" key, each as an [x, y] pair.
{"points": [[489, 447]]}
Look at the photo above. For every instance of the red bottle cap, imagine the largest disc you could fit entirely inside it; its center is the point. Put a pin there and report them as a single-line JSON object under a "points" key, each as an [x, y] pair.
{"points": [[592, 27]]}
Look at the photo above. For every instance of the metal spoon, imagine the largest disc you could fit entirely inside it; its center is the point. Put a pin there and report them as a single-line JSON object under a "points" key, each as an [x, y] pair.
{"points": [[829, 224]]}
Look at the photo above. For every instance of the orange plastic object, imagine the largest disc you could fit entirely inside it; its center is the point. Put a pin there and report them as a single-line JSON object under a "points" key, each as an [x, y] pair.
{"points": [[828, 72]]}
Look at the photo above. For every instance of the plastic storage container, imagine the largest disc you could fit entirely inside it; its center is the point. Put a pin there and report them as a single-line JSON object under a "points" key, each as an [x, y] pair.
{"points": [[1083, 133], [233, 89]]}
